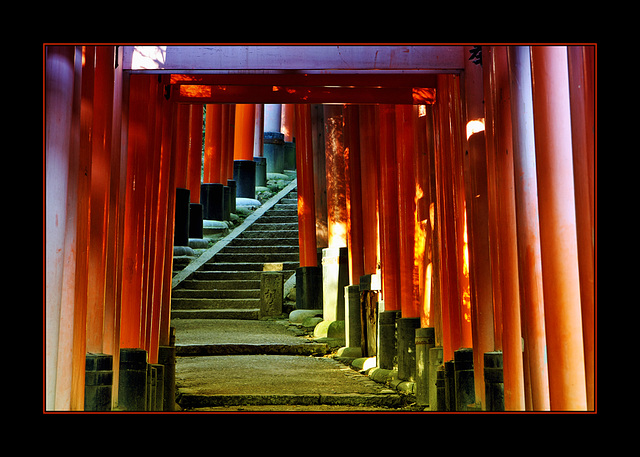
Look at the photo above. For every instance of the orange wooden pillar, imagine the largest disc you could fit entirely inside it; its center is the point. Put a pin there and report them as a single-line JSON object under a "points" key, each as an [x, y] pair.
{"points": [[388, 199], [511, 325], [353, 192], [243, 133], [528, 231], [556, 193], [100, 177], [213, 144], [244, 168], [445, 219], [335, 170], [405, 156], [457, 164], [231, 129], [226, 153], [288, 121], [306, 199], [151, 173], [370, 184], [490, 120], [59, 106], [182, 131], [86, 62], [133, 249], [422, 237], [258, 132], [194, 163], [167, 164], [581, 120], [477, 225], [155, 243]]}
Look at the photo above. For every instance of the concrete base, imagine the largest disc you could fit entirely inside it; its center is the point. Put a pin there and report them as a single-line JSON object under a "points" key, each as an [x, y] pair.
{"points": [[248, 202], [183, 250], [299, 315], [329, 329], [355, 352]]}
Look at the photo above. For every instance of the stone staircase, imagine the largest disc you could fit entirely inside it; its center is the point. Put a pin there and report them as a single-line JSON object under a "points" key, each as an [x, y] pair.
{"points": [[228, 285]]}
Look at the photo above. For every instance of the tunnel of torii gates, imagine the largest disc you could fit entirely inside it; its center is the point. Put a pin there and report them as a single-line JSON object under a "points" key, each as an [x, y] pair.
{"points": [[462, 176]]}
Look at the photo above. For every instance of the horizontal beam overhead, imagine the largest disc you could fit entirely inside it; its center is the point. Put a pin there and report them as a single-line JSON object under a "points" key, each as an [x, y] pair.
{"points": [[328, 58], [301, 94], [309, 79]]}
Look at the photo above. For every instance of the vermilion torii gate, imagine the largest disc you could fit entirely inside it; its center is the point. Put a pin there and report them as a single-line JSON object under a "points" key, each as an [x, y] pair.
{"points": [[443, 157]]}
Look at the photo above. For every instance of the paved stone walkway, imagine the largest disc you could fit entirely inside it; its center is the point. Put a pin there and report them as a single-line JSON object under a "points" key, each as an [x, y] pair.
{"points": [[262, 382]]}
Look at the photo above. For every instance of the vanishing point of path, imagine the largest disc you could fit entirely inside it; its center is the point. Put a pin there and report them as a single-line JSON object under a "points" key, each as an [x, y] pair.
{"points": [[229, 360]]}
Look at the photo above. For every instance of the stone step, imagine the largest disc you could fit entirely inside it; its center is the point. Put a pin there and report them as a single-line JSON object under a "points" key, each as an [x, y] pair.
{"points": [[251, 258], [279, 219], [283, 234], [289, 201], [191, 400], [226, 275], [192, 350], [214, 303], [269, 227], [268, 249], [282, 212], [222, 274], [246, 314], [264, 242], [218, 285], [217, 293], [286, 206]]}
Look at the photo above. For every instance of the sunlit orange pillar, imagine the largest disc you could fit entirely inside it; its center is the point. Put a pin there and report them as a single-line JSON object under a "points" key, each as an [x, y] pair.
{"points": [[528, 231], [370, 179], [477, 225], [133, 249], [168, 158], [243, 133], [582, 148], [113, 287], [422, 242], [556, 193], [457, 169], [353, 192], [306, 199], [446, 219], [258, 132], [59, 95], [288, 121], [150, 172], [508, 249], [224, 143], [86, 61], [335, 169], [182, 145], [231, 142], [194, 164], [98, 312], [212, 144], [388, 199], [405, 156], [157, 232], [490, 104]]}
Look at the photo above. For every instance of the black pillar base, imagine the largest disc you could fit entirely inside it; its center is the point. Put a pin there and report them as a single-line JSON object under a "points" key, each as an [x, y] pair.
{"points": [[195, 220], [244, 174], [132, 390], [181, 231], [309, 288], [98, 382], [212, 200]]}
